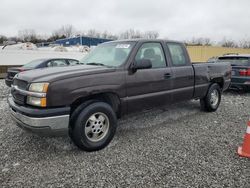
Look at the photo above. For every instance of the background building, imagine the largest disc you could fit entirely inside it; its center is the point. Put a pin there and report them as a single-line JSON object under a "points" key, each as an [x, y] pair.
{"points": [[81, 40]]}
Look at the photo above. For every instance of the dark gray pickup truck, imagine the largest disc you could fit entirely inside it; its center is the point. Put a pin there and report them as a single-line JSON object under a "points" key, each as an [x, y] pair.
{"points": [[117, 78]]}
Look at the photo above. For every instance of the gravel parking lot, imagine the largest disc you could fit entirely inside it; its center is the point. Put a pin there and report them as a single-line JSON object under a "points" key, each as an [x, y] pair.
{"points": [[177, 146]]}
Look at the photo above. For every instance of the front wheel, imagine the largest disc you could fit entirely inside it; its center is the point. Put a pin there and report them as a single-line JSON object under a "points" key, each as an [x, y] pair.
{"points": [[94, 127], [211, 101]]}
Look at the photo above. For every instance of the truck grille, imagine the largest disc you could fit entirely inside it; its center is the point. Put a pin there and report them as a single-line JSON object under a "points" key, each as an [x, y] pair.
{"points": [[18, 97], [20, 84]]}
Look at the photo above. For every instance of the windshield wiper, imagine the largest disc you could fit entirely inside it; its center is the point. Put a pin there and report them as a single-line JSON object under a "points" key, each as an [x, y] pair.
{"points": [[94, 63]]}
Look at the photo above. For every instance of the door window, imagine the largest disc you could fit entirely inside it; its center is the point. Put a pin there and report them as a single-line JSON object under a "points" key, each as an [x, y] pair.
{"points": [[73, 62], [177, 54], [153, 52], [57, 63]]}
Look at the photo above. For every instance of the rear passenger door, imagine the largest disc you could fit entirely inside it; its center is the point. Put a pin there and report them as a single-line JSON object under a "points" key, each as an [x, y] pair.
{"points": [[147, 88], [183, 73]]}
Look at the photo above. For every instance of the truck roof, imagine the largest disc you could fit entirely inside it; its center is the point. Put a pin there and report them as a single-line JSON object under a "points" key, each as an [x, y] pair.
{"points": [[144, 40]]}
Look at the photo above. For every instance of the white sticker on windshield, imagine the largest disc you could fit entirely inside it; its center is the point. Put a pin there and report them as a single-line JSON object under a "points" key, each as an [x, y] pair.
{"points": [[122, 45]]}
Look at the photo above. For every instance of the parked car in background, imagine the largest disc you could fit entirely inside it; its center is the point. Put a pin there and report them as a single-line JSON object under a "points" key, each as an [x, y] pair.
{"points": [[240, 70], [38, 63]]}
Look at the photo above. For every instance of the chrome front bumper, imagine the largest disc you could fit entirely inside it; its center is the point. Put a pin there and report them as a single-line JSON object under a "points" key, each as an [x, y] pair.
{"points": [[45, 126]]}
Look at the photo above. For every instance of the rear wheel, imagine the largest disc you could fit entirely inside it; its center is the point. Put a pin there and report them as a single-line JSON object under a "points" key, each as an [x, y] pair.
{"points": [[246, 88], [94, 127], [211, 101]]}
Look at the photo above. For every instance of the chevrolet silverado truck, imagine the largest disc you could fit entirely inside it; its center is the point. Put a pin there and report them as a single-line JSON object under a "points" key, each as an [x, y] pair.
{"points": [[117, 78]]}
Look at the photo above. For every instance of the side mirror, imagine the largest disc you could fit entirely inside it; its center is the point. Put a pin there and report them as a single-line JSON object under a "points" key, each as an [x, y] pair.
{"points": [[142, 64]]}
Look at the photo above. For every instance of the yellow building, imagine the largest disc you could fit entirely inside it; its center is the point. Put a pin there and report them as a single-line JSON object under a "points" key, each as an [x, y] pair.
{"points": [[203, 53]]}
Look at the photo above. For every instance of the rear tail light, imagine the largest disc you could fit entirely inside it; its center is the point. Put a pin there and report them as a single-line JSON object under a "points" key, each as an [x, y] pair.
{"points": [[244, 72]]}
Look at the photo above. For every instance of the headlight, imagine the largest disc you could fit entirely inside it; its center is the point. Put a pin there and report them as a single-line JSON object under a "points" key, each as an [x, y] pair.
{"points": [[39, 87], [37, 95], [35, 101]]}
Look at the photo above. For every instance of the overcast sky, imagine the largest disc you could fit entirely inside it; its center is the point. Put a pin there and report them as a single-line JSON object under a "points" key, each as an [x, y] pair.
{"points": [[173, 19]]}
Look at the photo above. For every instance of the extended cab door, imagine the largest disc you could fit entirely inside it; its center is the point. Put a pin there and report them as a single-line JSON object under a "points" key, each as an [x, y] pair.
{"points": [[147, 88], [183, 72]]}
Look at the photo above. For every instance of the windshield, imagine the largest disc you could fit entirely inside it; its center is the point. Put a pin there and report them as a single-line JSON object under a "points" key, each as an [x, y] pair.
{"points": [[109, 54], [234, 60], [33, 63]]}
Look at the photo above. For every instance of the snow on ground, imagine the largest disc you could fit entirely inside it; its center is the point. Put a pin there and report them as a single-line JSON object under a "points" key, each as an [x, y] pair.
{"points": [[65, 49], [22, 53], [21, 57], [21, 46]]}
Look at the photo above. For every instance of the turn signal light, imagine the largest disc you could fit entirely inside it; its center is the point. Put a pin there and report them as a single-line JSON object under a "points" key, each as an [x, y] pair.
{"points": [[35, 101]]}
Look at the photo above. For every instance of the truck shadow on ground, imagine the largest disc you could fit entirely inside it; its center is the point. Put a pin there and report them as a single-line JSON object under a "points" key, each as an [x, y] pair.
{"points": [[126, 125], [236, 92], [136, 122]]}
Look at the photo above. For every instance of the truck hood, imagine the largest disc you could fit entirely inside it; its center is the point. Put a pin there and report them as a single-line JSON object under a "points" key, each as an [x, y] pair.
{"points": [[57, 73]]}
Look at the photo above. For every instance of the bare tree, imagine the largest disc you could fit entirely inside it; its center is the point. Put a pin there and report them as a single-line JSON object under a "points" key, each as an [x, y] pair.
{"points": [[112, 36], [27, 35], [124, 35], [229, 43], [201, 41], [65, 30], [93, 33], [207, 42], [131, 34], [136, 34], [55, 36], [196, 41], [3, 39], [151, 34], [244, 44], [68, 30], [108, 35], [105, 35]]}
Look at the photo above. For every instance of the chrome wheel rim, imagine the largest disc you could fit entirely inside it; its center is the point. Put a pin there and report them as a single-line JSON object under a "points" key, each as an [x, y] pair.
{"points": [[96, 127], [214, 99]]}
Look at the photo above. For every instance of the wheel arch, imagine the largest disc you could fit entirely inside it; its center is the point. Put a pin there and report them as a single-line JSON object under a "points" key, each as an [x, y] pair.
{"points": [[110, 98], [218, 80]]}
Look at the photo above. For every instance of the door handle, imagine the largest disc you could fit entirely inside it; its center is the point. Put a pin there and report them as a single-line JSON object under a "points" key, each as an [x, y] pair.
{"points": [[167, 75]]}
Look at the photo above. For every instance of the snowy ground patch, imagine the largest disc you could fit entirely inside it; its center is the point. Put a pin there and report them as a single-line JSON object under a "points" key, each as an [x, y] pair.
{"points": [[21, 57]]}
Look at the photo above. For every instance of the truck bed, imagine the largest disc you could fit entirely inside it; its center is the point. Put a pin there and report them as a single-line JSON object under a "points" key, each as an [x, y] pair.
{"points": [[205, 72]]}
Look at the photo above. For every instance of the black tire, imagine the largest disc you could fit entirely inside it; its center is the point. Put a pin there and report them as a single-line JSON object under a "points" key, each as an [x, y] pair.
{"points": [[246, 89], [207, 102], [76, 112], [82, 121]]}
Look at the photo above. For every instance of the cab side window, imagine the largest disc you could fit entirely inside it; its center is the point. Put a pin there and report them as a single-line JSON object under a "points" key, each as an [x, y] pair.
{"points": [[177, 54], [154, 52]]}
